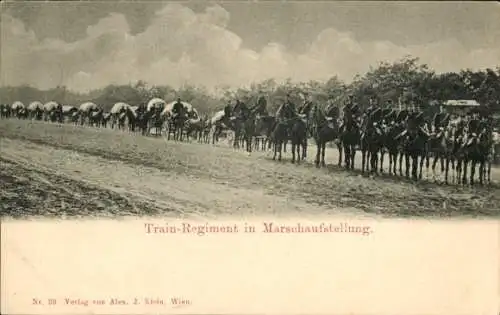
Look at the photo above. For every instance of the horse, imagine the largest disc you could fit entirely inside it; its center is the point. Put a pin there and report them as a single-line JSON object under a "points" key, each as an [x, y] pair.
{"points": [[294, 129], [263, 131], [95, 118], [154, 120], [476, 150], [119, 114], [415, 146], [196, 127], [372, 141], [349, 137], [176, 121], [106, 117], [35, 110], [324, 129], [393, 146]]}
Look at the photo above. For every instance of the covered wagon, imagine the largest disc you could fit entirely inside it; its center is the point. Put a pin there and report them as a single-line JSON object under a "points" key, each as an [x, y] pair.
{"points": [[35, 110], [52, 111], [190, 110], [118, 114], [87, 110], [18, 109], [156, 104]]}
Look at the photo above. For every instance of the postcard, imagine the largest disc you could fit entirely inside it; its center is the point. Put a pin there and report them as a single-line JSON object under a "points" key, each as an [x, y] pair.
{"points": [[249, 157]]}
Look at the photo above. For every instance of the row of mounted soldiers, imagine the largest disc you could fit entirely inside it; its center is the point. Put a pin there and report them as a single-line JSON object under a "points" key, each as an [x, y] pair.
{"points": [[450, 138]]}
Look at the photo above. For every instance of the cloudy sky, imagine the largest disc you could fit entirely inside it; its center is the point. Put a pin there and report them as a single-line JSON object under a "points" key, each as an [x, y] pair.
{"points": [[87, 45]]}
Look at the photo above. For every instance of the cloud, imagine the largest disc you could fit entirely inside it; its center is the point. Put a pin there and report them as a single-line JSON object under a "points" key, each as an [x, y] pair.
{"points": [[182, 46]]}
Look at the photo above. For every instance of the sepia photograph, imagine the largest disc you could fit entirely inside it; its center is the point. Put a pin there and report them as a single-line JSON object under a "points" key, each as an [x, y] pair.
{"points": [[225, 119]]}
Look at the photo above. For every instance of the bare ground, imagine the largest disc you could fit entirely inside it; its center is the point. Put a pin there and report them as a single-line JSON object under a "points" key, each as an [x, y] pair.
{"points": [[67, 171]]}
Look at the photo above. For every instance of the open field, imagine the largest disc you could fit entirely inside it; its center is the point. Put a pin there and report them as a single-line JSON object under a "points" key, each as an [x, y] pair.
{"points": [[66, 171]]}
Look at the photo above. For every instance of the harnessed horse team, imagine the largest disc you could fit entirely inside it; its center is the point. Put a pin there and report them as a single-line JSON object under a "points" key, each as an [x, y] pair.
{"points": [[461, 142]]}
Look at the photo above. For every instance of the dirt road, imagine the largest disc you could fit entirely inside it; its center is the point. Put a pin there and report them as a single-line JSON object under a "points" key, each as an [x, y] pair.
{"points": [[63, 183], [67, 171]]}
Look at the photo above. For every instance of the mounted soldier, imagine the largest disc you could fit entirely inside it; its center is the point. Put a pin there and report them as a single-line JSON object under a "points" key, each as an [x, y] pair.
{"points": [[141, 109], [373, 105], [332, 111], [440, 120], [178, 108], [350, 111], [260, 108], [241, 110], [286, 110], [414, 125], [227, 110]]}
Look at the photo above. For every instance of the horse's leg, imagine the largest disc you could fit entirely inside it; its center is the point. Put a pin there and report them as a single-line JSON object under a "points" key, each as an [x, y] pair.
{"points": [[489, 169], [347, 155], [318, 152], [340, 148], [407, 163], [389, 154], [249, 144], [482, 169], [482, 165], [298, 149], [371, 163], [473, 164], [304, 148], [422, 159], [401, 155], [353, 156], [414, 165], [382, 153], [464, 171], [377, 161], [363, 159], [433, 167], [275, 150], [323, 153]]}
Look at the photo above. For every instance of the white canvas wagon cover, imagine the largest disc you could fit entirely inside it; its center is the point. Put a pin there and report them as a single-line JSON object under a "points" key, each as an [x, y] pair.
{"points": [[68, 109], [17, 105], [88, 106], [35, 105], [189, 108], [118, 107], [156, 103], [50, 106]]}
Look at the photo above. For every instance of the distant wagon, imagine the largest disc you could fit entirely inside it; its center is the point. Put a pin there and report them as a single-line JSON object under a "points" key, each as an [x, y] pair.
{"points": [[459, 107], [190, 110], [155, 103]]}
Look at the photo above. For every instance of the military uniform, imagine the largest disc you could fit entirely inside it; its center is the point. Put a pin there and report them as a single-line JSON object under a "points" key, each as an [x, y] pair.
{"points": [[440, 120], [177, 107], [227, 110]]}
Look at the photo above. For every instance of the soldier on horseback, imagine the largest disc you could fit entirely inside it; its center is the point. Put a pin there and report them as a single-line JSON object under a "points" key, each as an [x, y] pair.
{"points": [[414, 125], [440, 120], [177, 108], [332, 110], [373, 105], [350, 111], [286, 110], [260, 108], [227, 110], [241, 110]]}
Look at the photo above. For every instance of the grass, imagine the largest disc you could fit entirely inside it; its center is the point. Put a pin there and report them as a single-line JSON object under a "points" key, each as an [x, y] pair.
{"points": [[329, 187]]}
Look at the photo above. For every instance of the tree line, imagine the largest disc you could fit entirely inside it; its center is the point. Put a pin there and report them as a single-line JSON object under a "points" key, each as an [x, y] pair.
{"points": [[405, 82]]}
